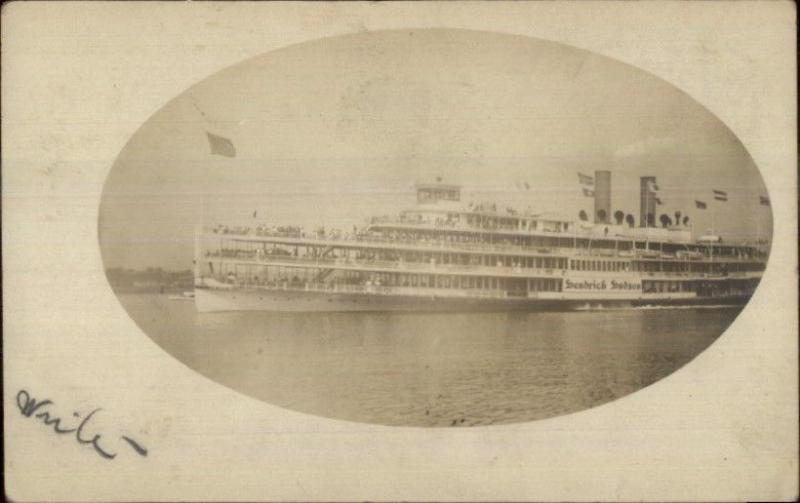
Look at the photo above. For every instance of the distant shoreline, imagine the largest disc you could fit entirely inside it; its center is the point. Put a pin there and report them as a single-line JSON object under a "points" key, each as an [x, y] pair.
{"points": [[149, 280]]}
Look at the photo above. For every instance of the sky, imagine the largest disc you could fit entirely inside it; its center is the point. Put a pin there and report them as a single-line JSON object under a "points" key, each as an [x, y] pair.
{"points": [[333, 131]]}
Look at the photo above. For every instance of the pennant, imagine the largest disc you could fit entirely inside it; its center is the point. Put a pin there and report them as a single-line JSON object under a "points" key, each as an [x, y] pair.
{"points": [[700, 205], [720, 196], [588, 192], [585, 179], [764, 200], [220, 145]]}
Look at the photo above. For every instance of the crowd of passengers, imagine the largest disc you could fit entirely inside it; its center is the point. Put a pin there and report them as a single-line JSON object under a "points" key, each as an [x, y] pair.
{"points": [[387, 256], [287, 231], [296, 281], [408, 237], [359, 234]]}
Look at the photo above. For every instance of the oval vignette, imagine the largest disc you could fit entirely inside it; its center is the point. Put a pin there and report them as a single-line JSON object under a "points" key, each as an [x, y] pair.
{"points": [[325, 134]]}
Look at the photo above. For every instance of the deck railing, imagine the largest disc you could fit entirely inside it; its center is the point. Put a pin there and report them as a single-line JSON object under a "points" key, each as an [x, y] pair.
{"points": [[362, 239], [370, 289], [440, 268]]}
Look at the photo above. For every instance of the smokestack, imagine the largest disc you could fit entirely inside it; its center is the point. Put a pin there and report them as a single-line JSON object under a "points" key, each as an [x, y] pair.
{"points": [[647, 200], [602, 197]]}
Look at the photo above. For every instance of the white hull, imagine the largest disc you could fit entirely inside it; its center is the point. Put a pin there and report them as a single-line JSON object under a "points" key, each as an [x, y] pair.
{"points": [[255, 299]]}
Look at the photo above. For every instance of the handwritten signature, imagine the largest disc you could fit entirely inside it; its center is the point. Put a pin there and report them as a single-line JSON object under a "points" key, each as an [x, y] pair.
{"points": [[31, 407]]}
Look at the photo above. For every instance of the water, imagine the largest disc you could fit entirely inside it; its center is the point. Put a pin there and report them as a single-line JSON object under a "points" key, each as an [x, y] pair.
{"points": [[412, 369]]}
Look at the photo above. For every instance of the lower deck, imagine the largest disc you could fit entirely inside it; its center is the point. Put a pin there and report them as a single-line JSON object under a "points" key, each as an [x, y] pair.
{"points": [[211, 295], [555, 284]]}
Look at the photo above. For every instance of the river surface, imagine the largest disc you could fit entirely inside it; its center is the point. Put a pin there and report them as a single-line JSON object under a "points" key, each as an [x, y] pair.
{"points": [[431, 369]]}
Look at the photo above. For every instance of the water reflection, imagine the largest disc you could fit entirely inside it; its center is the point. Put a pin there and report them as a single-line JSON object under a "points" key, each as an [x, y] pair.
{"points": [[431, 369]]}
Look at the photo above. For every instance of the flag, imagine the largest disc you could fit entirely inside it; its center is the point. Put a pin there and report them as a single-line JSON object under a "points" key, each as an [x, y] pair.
{"points": [[588, 192], [527, 186], [255, 214], [585, 179], [764, 200], [652, 187], [700, 205], [220, 145], [720, 196], [659, 201]]}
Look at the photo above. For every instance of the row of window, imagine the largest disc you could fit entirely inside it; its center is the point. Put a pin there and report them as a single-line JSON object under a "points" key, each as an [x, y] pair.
{"points": [[599, 265]]}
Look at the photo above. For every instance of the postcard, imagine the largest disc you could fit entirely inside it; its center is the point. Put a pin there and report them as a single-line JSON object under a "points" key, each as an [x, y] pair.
{"points": [[461, 251]]}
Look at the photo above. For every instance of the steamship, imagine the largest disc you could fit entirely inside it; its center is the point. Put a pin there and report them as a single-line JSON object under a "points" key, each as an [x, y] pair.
{"points": [[442, 255]]}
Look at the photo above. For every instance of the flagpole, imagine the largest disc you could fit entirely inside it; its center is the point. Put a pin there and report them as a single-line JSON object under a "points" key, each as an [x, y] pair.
{"points": [[758, 228], [713, 217]]}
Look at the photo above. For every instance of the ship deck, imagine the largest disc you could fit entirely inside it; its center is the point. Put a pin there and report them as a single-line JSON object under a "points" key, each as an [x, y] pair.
{"points": [[566, 251], [475, 270]]}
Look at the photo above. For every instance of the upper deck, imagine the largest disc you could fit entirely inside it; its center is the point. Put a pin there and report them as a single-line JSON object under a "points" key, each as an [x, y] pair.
{"points": [[565, 246], [441, 224]]}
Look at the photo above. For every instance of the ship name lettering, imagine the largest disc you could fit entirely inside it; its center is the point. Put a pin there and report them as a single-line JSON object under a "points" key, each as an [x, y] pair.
{"points": [[601, 285]]}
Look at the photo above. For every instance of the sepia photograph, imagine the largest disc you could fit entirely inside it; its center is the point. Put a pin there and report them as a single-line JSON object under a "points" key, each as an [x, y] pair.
{"points": [[400, 251], [434, 228]]}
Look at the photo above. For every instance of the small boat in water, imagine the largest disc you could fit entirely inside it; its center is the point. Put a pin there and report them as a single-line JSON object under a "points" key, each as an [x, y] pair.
{"points": [[187, 295]]}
